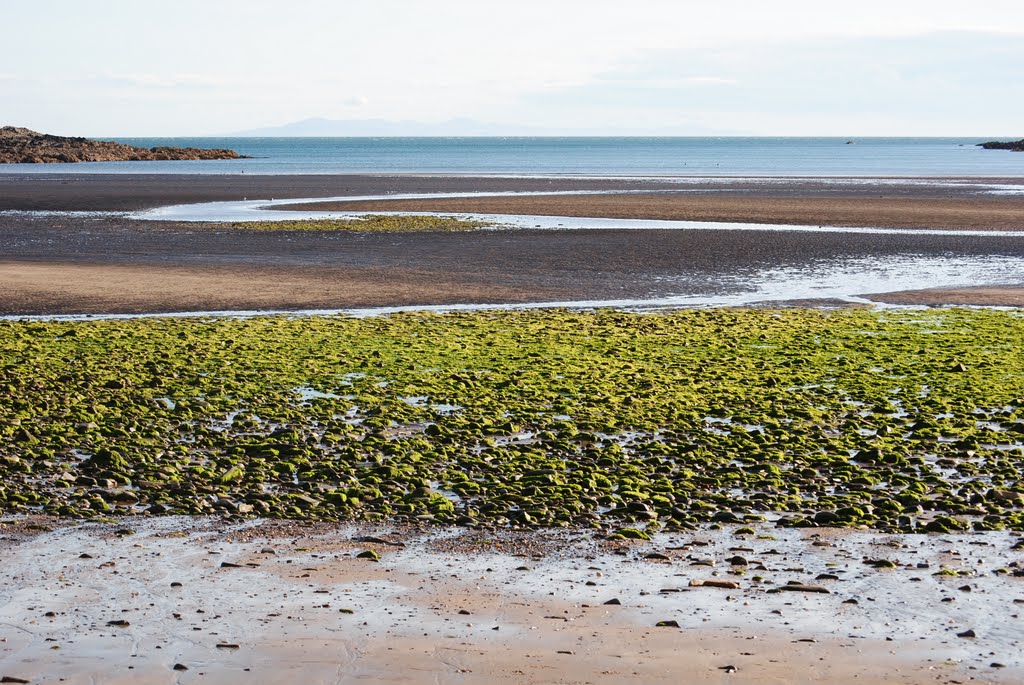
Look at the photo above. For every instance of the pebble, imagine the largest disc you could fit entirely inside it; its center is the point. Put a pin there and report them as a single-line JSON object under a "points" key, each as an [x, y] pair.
{"points": [[724, 584], [800, 587]]}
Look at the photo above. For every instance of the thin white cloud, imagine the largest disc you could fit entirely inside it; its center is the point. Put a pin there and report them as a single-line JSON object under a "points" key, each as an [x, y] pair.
{"points": [[137, 80], [681, 82]]}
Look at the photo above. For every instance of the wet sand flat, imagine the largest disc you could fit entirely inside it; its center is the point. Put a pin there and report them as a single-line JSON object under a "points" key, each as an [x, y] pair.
{"points": [[70, 288], [110, 264], [981, 296], [179, 600]]}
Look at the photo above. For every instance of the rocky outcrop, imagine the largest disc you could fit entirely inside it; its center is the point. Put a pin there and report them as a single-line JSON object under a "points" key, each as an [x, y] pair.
{"points": [[1015, 146], [21, 145]]}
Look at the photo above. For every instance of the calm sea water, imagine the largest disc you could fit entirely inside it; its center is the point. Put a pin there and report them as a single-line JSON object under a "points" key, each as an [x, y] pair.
{"points": [[577, 156]]}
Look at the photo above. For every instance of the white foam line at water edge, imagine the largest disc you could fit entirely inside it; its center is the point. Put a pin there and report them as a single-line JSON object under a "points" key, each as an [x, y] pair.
{"points": [[842, 280], [260, 210]]}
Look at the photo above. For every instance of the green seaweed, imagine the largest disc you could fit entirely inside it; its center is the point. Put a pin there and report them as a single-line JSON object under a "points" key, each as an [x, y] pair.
{"points": [[370, 223]]}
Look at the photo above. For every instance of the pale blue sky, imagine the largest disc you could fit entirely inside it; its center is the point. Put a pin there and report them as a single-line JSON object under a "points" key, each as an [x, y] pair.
{"points": [[788, 67]]}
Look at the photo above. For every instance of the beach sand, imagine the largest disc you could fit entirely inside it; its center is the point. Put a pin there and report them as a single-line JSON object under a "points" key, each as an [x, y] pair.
{"points": [[280, 602]]}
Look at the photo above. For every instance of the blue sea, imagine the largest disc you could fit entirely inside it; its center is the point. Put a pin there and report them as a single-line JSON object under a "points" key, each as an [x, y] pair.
{"points": [[570, 156]]}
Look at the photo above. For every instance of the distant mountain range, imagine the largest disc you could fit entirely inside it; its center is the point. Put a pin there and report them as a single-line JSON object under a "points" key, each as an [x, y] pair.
{"points": [[319, 127], [380, 127]]}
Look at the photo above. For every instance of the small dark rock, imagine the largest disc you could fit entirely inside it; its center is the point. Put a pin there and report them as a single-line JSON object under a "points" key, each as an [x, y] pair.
{"points": [[800, 587], [824, 518]]}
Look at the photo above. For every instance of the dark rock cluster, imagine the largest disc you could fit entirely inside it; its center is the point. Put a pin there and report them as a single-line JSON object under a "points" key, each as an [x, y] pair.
{"points": [[1014, 145], [21, 145]]}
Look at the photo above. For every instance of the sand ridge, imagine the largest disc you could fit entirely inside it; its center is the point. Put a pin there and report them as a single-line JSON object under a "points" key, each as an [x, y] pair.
{"points": [[824, 209]]}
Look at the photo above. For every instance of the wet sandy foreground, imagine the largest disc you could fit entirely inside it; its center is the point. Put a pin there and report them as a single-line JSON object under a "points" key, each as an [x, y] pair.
{"points": [[184, 600]]}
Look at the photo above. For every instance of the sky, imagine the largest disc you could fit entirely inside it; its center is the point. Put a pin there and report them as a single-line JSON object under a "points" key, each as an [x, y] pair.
{"points": [[617, 67]]}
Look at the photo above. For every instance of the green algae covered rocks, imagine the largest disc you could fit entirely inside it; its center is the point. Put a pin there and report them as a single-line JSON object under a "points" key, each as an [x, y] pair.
{"points": [[631, 423]]}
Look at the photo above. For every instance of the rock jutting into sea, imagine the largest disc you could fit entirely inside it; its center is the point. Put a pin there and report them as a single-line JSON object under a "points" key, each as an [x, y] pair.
{"points": [[21, 145], [1014, 145]]}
